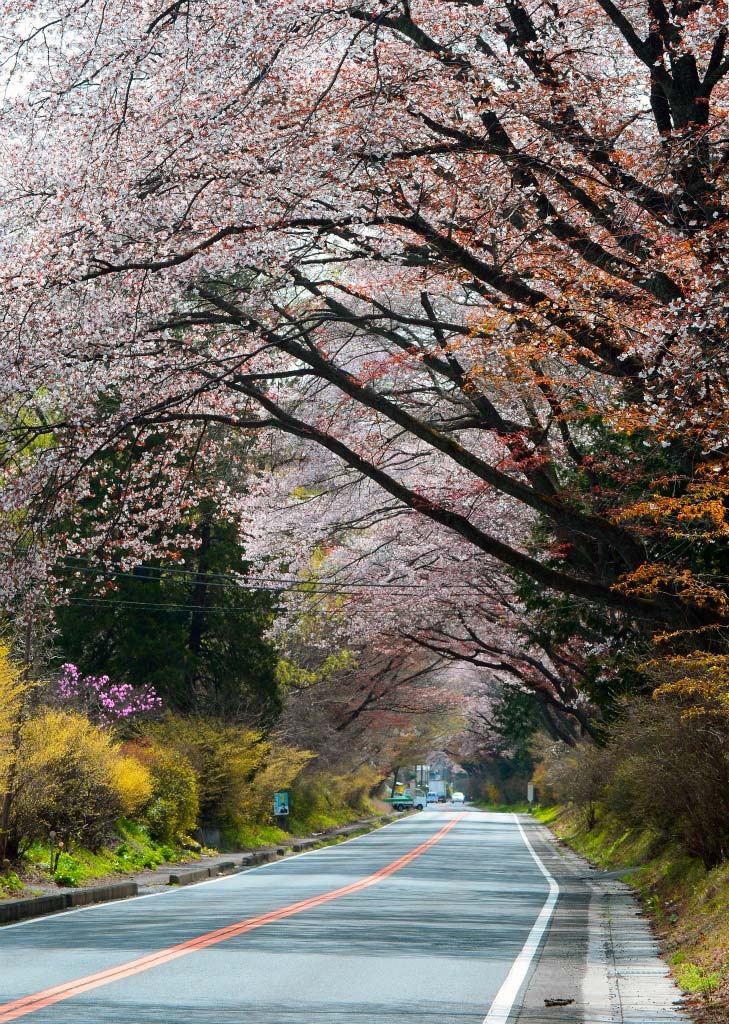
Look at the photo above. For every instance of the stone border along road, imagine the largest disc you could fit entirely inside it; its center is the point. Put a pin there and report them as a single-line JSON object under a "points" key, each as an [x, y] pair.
{"points": [[600, 962], [151, 880]]}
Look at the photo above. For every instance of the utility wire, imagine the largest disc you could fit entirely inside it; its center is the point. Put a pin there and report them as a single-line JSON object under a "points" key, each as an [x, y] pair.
{"points": [[280, 582], [150, 606], [240, 582]]}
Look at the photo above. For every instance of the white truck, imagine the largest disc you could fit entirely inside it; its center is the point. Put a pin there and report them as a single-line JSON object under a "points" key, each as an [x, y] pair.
{"points": [[440, 789], [407, 801]]}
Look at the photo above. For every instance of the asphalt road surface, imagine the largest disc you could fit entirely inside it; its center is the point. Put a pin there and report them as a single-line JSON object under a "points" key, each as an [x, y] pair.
{"points": [[435, 918]]}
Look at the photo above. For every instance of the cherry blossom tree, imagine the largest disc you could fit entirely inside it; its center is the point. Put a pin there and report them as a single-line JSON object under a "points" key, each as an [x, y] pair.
{"points": [[469, 249], [383, 708], [363, 578]]}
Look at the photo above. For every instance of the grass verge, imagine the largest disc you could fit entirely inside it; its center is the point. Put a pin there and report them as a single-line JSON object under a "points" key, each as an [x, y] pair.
{"points": [[132, 850]]}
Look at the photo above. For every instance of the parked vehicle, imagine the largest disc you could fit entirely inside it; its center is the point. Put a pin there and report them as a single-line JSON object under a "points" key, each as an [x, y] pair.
{"points": [[405, 802], [440, 789]]}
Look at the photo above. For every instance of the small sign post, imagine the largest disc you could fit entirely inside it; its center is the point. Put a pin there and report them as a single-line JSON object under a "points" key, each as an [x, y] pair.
{"points": [[530, 792], [281, 803]]}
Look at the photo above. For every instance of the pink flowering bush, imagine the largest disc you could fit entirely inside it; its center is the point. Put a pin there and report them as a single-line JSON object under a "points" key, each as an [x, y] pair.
{"points": [[105, 702]]}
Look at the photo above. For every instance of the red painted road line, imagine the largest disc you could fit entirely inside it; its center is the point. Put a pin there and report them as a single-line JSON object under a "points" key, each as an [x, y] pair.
{"points": [[47, 997]]}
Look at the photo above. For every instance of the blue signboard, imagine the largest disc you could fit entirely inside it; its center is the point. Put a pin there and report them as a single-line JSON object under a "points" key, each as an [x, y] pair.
{"points": [[281, 802]]}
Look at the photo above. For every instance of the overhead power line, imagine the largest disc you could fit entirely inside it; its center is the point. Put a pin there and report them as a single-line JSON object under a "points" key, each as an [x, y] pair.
{"points": [[150, 605], [233, 581]]}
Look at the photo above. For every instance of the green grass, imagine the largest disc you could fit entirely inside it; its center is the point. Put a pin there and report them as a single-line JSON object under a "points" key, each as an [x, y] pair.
{"points": [[609, 845], [10, 884], [319, 819], [694, 979], [251, 835], [546, 815], [134, 852], [484, 805]]}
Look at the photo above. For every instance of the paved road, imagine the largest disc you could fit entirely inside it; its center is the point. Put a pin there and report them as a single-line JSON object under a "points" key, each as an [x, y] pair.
{"points": [[417, 923]]}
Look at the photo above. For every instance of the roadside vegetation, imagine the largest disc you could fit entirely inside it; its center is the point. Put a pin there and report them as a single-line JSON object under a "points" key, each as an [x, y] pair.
{"points": [[99, 779], [87, 805]]}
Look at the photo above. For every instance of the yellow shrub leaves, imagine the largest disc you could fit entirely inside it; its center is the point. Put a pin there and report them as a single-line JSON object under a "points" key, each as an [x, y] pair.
{"points": [[12, 688]]}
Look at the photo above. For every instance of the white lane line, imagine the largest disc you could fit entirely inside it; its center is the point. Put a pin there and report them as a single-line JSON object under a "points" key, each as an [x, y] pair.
{"points": [[503, 1003]]}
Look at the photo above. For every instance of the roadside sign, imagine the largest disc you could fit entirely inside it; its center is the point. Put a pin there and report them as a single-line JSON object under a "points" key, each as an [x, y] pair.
{"points": [[281, 802], [530, 793]]}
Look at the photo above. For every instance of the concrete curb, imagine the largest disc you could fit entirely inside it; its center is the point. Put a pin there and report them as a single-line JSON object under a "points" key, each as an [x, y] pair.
{"points": [[13, 911], [627, 981], [202, 874], [37, 906], [304, 844]]}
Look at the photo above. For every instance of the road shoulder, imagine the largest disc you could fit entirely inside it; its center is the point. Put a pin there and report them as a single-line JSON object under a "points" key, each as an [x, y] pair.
{"points": [[599, 963]]}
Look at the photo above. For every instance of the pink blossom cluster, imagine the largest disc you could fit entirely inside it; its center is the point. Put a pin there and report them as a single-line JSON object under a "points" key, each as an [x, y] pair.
{"points": [[105, 701]]}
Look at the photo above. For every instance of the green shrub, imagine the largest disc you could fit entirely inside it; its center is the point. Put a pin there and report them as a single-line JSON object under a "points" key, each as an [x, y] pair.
{"points": [[236, 769], [694, 979], [10, 883], [281, 767], [320, 801], [66, 781], [138, 849], [174, 807], [68, 871], [128, 857], [224, 759]]}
